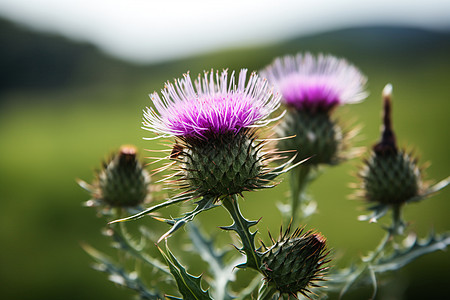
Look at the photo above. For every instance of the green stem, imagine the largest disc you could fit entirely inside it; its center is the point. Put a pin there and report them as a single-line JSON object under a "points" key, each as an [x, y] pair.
{"points": [[241, 226], [398, 226], [299, 181]]}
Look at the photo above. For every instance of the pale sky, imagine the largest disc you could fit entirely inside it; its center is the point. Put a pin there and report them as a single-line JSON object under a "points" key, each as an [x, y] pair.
{"points": [[149, 31]]}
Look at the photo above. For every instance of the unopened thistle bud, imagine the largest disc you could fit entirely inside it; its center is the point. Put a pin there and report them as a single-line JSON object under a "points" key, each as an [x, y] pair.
{"points": [[214, 123], [294, 263], [311, 88], [122, 182], [390, 175]]}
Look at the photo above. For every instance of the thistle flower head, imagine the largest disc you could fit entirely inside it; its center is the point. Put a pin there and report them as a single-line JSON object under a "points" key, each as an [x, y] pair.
{"points": [[390, 175], [214, 104], [214, 122], [316, 83], [122, 181], [295, 262]]}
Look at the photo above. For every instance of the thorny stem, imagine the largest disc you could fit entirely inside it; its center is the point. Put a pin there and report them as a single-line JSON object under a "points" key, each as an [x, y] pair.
{"points": [[241, 226], [299, 181]]}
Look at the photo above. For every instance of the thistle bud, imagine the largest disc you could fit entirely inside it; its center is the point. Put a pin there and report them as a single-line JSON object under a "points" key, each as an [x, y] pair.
{"points": [[294, 263], [390, 175], [123, 181]]}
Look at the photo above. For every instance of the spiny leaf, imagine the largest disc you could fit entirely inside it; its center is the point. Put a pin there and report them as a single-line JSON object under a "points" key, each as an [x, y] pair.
{"points": [[221, 272], [188, 285], [401, 257], [206, 249], [119, 275], [205, 204], [153, 208], [378, 211], [124, 242]]}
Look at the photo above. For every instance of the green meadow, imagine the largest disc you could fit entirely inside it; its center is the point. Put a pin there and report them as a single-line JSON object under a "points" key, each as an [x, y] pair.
{"points": [[52, 134]]}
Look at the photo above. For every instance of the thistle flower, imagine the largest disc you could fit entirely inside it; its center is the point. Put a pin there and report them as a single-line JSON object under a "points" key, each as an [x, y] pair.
{"points": [[294, 263], [311, 88], [214, 121], [316, 84], [122, 181], [212, 106], [390, 176]]}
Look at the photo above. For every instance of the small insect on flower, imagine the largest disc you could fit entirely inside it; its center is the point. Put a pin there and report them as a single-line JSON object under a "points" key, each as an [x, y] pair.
{"points": [[177, 150], [214, 121]]}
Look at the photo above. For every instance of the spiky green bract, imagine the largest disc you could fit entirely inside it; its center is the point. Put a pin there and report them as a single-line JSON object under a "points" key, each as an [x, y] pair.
{"points": [[122, 181], [391, 178], [312, 135], [225, 164], [294, 263], [188, 285]]}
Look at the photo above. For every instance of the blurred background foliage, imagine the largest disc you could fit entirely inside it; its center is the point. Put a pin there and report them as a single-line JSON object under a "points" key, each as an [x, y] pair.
{"points": [[64, 106]]}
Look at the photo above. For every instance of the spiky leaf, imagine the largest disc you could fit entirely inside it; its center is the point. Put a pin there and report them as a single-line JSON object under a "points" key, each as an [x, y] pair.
{"points": [[149, 210], [222, 273], [124, 242], [120, 276], [403, 256], [188, 285], [206, 203]]}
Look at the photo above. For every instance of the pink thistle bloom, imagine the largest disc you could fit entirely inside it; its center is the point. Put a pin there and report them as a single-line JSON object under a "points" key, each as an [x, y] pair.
{"points": [[315, 84], [214, 104]]}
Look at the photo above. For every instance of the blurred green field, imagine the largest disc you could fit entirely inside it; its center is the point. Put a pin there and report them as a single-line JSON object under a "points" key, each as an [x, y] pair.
{"points": [[51, 136]]}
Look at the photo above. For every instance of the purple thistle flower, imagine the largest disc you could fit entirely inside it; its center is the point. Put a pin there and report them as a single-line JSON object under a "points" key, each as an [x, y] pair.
{"points": [[316, 84], [212, 105]]}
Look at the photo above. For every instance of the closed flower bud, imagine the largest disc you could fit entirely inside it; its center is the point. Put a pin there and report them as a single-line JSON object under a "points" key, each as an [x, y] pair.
{"points": [[122, 182], [294, 263], [390, 176]]}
